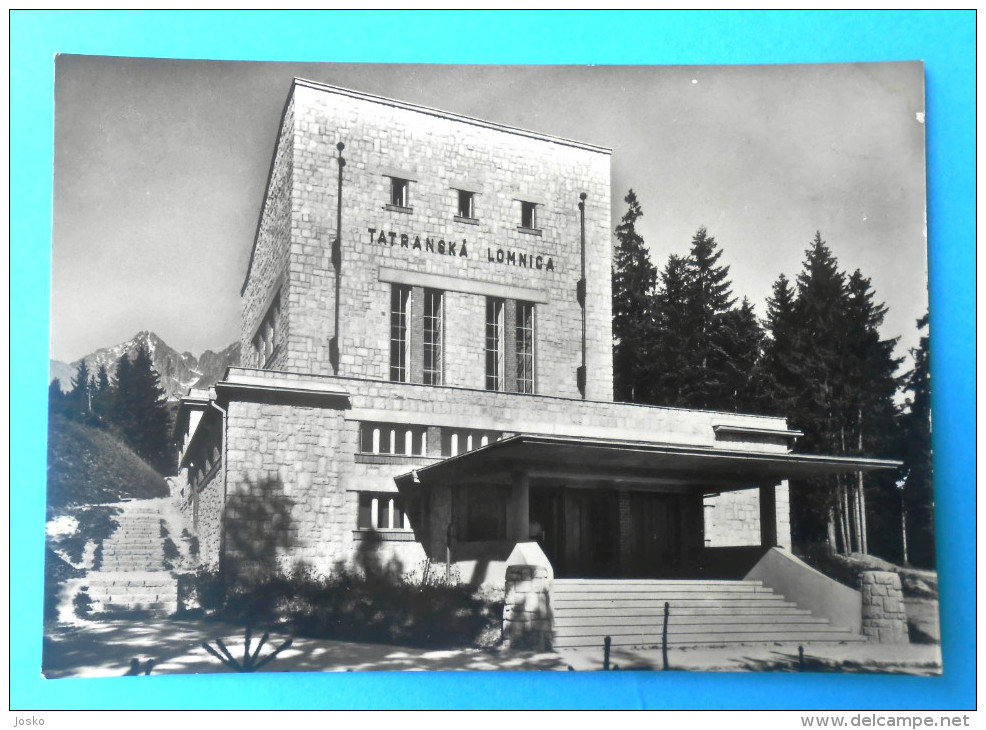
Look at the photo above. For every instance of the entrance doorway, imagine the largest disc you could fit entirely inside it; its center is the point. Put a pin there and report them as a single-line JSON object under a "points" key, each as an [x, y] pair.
{"points": [[580, 532], [655, 535]]}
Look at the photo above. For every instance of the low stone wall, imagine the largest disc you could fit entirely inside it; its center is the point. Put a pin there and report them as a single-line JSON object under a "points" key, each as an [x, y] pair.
{"points": [[527, 608], [884, 616]]}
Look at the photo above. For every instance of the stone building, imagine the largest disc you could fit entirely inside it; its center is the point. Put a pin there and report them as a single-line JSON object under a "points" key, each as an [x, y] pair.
{"points": [[427, 372]]}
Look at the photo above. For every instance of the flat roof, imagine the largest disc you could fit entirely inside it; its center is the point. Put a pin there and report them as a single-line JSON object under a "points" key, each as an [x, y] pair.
{"points": [[586, 459]]}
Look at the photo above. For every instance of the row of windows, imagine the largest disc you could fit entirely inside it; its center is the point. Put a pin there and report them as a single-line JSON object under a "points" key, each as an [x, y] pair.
{"points": [[480, 514], [412, 440], [381, 511], [506, 321], [400, 198]]}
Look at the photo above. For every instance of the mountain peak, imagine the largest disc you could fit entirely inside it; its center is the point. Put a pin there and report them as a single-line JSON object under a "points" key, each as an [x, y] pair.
{"points": [[178, 371]]}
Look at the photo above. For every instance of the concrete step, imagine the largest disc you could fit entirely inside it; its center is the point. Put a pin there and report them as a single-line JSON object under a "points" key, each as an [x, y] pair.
{"points": [[700, 613], [771, 602], [634, 609], [724, 587], [706, 639], [163, 608], [678, 621]]}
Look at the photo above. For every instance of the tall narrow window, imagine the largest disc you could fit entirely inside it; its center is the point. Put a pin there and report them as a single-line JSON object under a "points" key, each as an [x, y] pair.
{"points": [[525, 347], [400, 306], [494, 344], [433, 332]]}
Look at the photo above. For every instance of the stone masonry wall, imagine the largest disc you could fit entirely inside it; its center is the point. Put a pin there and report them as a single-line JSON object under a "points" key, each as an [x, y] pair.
{"points": [[284, 497], [440, 155], [884, 616], [732, 519], [208, 522], [527, 618], [269, 263]]}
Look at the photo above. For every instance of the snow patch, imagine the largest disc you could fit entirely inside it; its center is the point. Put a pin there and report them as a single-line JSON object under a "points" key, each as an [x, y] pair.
{"points": [[60, 526]]}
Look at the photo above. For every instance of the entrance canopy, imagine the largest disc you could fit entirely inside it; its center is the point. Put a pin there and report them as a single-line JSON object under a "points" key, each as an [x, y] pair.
{"points": [[585, 459]]}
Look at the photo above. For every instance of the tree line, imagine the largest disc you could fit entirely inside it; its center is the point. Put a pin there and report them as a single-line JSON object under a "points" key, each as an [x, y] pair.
{"points": [[132, 404], [681, 338]]}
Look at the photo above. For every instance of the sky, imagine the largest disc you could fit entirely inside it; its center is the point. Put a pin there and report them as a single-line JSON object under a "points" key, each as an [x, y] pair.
{"points": [[160, 168]]}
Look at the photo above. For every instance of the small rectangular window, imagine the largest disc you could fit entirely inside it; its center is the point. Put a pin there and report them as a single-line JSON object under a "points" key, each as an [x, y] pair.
{"points": [[528, 215], [400, 309], [399, 192], [466, 204], [494, 344], [525, 347], [433, 334]]}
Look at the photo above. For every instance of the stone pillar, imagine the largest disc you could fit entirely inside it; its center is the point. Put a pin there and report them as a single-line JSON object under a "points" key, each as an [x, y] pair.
{"points": [[782, 497], [884, 617], [768, 517], [519, 509], [527, 621]]}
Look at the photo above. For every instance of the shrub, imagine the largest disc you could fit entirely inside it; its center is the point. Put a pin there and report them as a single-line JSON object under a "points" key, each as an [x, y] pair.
{"points": [[377, 608]]}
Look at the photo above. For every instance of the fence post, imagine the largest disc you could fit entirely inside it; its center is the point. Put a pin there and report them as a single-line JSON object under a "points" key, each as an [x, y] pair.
{"points": [[664, 636]]}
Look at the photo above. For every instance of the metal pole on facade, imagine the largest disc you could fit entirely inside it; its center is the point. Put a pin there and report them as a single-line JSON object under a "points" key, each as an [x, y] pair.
{"points": [[337, 264], [581, 294]]}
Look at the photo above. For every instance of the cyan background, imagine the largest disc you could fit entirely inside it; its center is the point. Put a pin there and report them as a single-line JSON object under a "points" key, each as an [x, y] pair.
{"points": [[944, 40]]}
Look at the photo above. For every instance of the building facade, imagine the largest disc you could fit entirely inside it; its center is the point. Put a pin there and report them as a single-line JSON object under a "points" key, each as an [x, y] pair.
{"points": [[427, 377]]}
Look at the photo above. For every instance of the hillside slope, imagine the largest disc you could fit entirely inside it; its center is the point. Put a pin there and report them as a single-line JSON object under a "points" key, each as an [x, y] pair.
{"points": [[87, 465]]}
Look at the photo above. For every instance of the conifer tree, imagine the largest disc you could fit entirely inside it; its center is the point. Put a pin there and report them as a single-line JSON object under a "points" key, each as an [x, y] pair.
{"points": [[80, 395], [101, 392], [918, 496], [634, 278], [57, 400], [669, 348], [741, 345], [150, 419], [121, 400], [709, 299], [781, 364]]}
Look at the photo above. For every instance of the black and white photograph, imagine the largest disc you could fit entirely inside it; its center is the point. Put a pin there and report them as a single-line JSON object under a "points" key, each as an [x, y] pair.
{"points": [[376, 367]]}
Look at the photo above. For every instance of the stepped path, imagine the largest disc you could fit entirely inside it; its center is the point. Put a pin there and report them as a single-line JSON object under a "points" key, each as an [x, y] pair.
{"points": [[701, 613], [133, 575]]}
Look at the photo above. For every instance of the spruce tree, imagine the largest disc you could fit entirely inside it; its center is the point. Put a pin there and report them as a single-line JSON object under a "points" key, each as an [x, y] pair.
{"points": [[740, 343], [121, 400], [919, 496], [781, 363], [871, 420], [709, 299], [634, 278], [57, 400], [81, 393], [803, 360], [669, 345], [101, 392], [151, 421]]}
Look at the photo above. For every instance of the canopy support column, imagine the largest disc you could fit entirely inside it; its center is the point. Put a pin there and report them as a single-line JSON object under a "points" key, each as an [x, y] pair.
{"points": [[518, 510], [768, 516]]}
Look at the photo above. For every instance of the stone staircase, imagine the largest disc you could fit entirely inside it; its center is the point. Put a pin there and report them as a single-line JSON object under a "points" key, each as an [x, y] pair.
{"points": [[132, 576], [702, 612]]}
